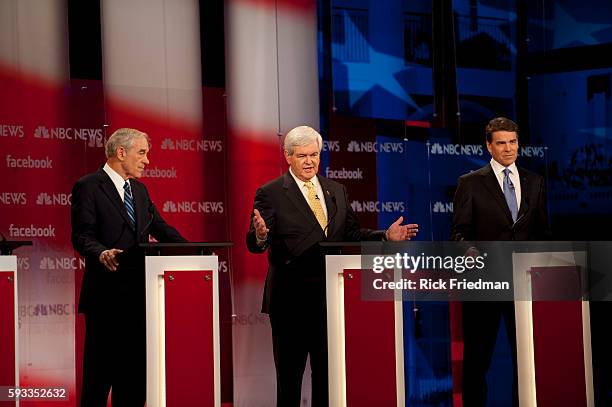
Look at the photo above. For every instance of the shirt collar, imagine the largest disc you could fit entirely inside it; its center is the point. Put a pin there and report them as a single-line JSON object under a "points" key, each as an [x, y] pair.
{"points": [[115, 177], [300, 183], [498, 168]]}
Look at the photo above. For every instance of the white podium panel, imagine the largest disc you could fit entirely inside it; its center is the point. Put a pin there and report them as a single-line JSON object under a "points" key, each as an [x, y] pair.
{"points": [[539, 381], [365, 341], [182, 293]]}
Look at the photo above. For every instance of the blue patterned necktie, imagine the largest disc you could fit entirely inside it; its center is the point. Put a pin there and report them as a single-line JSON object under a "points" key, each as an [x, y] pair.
{"points": [[510, 194], [128, 199]]}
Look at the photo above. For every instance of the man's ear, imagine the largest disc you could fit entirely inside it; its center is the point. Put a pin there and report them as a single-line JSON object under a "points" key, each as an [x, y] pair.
{"points": [[287, 156]]}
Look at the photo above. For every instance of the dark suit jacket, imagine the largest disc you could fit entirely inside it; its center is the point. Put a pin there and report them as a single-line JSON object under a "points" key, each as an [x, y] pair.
{"points": [[100, 222], [481, 212], [294, 256]]}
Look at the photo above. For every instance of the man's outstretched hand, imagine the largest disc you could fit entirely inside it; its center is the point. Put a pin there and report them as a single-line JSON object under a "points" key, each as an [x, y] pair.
{"points": [[398, 232]]}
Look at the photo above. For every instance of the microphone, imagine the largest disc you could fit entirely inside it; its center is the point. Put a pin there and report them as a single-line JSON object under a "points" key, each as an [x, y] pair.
{"points": [[151, 214]]}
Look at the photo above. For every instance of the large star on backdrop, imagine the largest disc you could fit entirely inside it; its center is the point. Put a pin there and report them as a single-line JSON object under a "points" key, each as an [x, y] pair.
{"points": [[569, 31], [381, 70]]}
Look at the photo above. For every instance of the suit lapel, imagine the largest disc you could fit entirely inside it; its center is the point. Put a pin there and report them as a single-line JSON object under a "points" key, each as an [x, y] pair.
{"points": [[492, 185], [332, 207], [107, 186], [297, 198], [525, 189]]}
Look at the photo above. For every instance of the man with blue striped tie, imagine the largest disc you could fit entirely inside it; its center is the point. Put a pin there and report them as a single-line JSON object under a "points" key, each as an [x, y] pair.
{"points": [[111, 214], [497, 202]]}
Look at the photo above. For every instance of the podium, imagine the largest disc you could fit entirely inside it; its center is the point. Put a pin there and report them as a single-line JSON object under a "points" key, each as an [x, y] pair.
{"points": [[9, 327], [182, 310], [553, 329], [365, 339]]}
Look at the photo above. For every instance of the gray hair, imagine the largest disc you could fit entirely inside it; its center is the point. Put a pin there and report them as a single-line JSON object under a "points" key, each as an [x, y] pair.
{"points": [[123, 138], [302, 136]]}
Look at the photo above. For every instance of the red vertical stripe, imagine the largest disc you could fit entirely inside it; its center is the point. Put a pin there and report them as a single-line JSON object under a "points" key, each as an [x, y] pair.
{"points": [[7, 332], [370, 347], [189, 338], [557, 334], [456, 333]]}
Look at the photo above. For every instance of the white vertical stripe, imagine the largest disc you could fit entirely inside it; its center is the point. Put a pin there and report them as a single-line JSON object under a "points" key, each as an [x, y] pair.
{"points": [[298, 69], [251, 66], [398, 304], [34, 37], [151, 56]]}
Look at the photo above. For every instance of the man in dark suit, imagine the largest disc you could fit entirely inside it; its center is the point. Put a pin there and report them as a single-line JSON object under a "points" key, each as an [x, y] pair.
{"points": [[291, 215], [497, 202], [111, 214]]}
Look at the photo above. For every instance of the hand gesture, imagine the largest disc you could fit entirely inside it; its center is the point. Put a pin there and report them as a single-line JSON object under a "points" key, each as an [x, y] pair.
{"points": [[261, 230], [109, 259], [398, 232]]}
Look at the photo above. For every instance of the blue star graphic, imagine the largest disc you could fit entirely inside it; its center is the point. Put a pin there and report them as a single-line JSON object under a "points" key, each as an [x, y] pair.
{"points": [[568, 31], [380, 70]]}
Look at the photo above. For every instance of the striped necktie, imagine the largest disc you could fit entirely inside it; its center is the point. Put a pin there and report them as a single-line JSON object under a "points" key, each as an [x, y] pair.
{"points": [[510, 194], [315, 205], [128, 200]]}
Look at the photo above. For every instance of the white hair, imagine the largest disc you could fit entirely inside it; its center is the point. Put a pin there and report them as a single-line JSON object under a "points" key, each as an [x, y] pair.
{"points": [[123, 138], [302, 136]]}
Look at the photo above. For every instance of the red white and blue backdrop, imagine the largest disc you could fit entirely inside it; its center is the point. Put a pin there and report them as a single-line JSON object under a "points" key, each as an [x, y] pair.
{"points": [[215, 84]]}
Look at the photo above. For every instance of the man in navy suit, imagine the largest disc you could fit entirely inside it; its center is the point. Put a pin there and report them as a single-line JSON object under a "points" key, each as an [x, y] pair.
{"points": [[291, 215], [500, 201], [111, 214]]}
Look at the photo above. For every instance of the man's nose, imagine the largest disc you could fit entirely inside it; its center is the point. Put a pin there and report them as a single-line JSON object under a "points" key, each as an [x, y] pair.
{"points": [[145, 160]]}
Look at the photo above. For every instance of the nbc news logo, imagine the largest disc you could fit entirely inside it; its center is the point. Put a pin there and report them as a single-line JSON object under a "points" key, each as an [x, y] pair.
{"points": [[41, 132], [436, 148], [62, 263], [456, 149], [53, 199], [193, 207], [94, 137], [170, 207], [378, 207], [374, 147], [167, 144], [215, 146], [441, 207]]}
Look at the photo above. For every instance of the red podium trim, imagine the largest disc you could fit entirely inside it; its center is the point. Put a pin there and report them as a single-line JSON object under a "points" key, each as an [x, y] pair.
{"points": [[7, 332], [370, 347], [189, 338]]}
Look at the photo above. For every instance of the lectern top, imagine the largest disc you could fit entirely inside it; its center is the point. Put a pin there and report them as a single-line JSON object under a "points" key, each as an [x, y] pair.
{"points": [[7, 246], [183, 248]]}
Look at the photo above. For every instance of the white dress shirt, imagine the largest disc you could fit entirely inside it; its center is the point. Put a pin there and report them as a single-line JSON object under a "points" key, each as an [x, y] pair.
{"points": [[117, 180], [498, 170]]}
